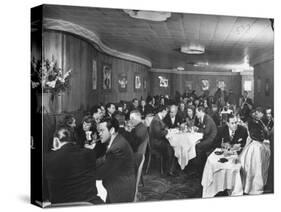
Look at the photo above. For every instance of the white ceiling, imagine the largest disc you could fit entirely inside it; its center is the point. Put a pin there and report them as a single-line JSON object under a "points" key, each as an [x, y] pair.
{"points": [[228, 41]]}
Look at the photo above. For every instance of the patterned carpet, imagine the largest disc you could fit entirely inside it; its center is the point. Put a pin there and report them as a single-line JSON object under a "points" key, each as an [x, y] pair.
{"points": [[161, 187]]}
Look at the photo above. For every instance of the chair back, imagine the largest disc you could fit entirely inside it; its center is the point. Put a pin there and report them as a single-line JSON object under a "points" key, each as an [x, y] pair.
{"points": [[142, 147], [139, 172]]}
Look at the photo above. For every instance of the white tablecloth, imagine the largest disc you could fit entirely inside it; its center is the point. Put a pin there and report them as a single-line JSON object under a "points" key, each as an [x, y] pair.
{"points": [[184, 145], [219, 176]]}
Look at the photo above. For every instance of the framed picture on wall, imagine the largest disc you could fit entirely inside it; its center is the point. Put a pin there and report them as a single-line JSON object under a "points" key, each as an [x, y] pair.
{"points": [[122, 82], [94, 75], [221, 84], [137, 82], [267, 87], [107, 76], [163, 82], [205, 85]]}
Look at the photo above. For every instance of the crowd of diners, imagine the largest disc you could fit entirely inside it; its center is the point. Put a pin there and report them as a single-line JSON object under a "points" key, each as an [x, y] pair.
{"points": [[106, 144]]}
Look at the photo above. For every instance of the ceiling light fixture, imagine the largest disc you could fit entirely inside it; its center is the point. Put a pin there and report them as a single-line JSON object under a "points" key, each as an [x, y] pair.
{"points": [[192, 49], [180, 68], [148, 15]]}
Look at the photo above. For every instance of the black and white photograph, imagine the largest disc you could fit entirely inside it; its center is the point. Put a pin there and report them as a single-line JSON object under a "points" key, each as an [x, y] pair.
{"points": [[147, 105]]}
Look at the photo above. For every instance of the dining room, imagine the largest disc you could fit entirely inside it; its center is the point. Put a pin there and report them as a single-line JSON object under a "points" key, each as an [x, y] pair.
{"points": [[191, 79]]}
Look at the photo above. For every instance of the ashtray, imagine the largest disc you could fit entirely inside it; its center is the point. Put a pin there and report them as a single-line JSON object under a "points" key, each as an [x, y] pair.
{"points": [[222, 160], [219, 152]]}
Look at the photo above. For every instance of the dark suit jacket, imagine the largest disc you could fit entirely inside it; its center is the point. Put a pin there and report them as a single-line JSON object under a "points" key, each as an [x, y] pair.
{"points": [[117, 171], [240, 136], [157, 131], [71, 174], [209, 130], [149, 109], [182, 115], [139, 134], [168, 121]]}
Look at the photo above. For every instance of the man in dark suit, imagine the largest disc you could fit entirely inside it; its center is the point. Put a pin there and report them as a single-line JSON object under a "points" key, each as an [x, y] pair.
{"points": [[159, 141], [139, 132], [172, 120], [232, 133], [246, 105], [208, 127], [71, 171], [116, 168]]}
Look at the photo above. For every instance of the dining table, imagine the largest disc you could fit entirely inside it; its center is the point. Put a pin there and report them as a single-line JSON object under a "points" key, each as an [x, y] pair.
{"points": [[183, 143], [222, 172]]}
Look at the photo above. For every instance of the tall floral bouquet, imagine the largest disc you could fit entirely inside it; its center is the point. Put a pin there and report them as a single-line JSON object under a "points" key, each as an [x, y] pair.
{"points": [[48, 77]]}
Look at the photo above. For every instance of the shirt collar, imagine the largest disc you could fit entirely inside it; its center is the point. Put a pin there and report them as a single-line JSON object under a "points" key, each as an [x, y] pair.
{"points": [[111, 140]]}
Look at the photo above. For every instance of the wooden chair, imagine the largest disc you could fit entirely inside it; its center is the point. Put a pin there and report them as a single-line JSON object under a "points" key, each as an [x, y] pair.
{"points": [[142, 150], [139, 173], [156, 154]]}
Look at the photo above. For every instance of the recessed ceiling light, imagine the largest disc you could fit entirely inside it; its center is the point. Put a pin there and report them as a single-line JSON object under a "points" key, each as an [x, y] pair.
{"points": [[192, 49], [180, 68], [148, 15]]}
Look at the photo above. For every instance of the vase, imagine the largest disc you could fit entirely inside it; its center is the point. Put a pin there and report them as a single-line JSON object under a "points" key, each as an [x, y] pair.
{"points": [[58, 102], [44, 103]]}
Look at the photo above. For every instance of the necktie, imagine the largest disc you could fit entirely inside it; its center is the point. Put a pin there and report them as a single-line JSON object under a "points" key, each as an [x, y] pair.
{"points": [[232, 134]]}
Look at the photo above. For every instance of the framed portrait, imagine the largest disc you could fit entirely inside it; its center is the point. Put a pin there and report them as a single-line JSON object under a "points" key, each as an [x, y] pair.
{"points": [[163, 82], [107, 76], [94, 75], [267, 87], [137, 82], [122, 82], [205, 85], [221, 84]]}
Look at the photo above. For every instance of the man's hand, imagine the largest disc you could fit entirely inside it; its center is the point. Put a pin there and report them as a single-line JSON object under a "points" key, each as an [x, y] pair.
{"points": [[90, 146]]}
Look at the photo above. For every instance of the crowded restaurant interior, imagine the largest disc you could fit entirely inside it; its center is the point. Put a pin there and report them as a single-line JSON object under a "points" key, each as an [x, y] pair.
{"points": [[147, 106]]}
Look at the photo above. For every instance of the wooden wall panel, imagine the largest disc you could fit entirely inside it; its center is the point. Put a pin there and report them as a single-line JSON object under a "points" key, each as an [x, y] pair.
{"points": [[264, 71], [231, 81], [78, 54]]}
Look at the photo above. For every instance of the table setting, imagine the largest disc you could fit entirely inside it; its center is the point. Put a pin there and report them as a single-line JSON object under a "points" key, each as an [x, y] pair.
{"points": [[183, 141], [222, 172]]}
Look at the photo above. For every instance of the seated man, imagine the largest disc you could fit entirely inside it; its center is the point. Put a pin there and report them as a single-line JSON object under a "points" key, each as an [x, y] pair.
{"points": [[208, 127], [159, 141], [71, 171], [182, 112], [172, 120], [269, 123], [232, 133], [139, 132], [116, 168]]}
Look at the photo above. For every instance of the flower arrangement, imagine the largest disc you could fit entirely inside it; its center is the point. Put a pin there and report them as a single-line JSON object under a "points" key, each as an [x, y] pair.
{"points": [[48, 77]]}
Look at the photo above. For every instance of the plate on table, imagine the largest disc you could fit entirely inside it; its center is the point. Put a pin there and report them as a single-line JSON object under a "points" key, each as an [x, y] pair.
{"points": [[222, 160], [219, 152]]}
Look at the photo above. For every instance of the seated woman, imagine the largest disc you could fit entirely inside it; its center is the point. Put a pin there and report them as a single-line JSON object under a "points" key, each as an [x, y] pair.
{"points": [[255, 157], [88, 136], [190, 118]]}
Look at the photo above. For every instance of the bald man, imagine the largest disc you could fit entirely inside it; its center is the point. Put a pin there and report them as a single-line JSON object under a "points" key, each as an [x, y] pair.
{"points": [[173, 120], [139, 132]]}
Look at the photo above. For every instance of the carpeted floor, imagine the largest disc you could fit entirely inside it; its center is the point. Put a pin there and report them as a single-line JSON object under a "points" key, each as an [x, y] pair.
{"points": [[161, 187]]}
